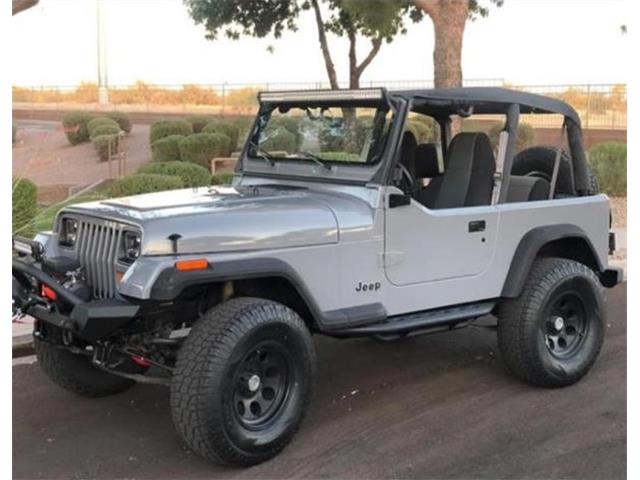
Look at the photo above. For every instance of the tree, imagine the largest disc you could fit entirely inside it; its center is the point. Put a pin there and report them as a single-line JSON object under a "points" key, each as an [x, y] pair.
{"points": [[20, 5], [377, 20], [449, 18]]}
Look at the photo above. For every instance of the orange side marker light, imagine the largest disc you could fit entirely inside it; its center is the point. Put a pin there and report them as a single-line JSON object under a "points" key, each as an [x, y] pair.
{"points": [[191, 265]]}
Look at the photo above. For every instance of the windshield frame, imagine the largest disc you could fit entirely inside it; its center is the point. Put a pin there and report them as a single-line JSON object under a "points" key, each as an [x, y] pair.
{"points": [[301, 167]]}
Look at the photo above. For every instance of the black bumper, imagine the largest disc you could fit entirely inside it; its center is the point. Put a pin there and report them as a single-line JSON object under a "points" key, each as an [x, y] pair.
{"points": [[91, 320], [611, 277]]}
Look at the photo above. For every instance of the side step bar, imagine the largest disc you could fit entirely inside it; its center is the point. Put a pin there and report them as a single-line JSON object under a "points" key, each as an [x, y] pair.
{"points": [[435, 318]]}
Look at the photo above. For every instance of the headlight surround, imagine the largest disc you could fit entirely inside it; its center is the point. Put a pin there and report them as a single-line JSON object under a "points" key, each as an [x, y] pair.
{"points": [[131, 243], [68, 232]]}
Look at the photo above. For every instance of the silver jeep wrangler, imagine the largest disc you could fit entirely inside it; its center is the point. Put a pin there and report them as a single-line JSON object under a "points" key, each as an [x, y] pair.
{"points": [[351, 213]]}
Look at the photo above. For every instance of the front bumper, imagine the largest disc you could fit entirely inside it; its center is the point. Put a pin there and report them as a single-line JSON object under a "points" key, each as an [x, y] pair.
{"points": [[92, 320]]}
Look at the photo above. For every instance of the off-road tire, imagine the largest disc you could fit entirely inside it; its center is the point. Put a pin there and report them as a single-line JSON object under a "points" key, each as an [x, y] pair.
{"points": [[524, 337], [74, 372], [206, 412], [538, 162]]}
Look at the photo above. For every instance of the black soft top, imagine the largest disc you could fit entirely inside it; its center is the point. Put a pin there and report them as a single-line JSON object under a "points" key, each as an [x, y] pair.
{"points": [[485, 100]]}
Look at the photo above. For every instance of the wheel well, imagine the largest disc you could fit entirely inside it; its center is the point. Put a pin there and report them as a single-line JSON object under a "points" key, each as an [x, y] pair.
{"points": [[572, 248], [278, 289]]}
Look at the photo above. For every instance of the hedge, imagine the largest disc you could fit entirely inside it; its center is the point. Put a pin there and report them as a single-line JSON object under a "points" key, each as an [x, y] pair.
{"points": [[122, 119], [526, 135], [192, 175], [198, 122], [201, 148], [105, 144], [422, 131], [226, 128], [340, 156], [106, 130], [75, 127], [14, 131], [609, 163], [98, 122], [283, 140], [144, 183], [24, 195], [164, 128], [166, 149], [222, 178]]}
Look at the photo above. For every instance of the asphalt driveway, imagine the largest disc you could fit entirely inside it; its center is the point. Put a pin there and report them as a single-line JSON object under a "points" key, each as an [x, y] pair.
{"points": [[438, 406]]}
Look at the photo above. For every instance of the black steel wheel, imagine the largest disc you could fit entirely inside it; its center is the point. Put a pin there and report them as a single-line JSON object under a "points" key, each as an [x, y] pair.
{"points": [[243, 381], [552, 333]]}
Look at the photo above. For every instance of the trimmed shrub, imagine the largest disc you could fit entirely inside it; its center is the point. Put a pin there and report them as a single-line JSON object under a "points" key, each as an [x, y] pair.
{"points": [[201, 148], [222, 178], [105, 145], [192, 175], [198, 122], [105, 130], [166, 149], [24, 196], [75, 127], [164, 128], [122, 119], [526, 136], [283, 140], [340, 156], [226, 128], [609, 163], [14, 131], [98, 122], [144, 183], [421, 130]]}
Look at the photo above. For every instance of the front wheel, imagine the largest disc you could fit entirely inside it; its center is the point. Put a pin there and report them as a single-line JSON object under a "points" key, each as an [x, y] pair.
{"points": [[552, 333], [243, 381]]}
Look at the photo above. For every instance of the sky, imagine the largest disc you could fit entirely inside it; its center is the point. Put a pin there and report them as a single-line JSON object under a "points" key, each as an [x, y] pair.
{"points": [[525, 42]]}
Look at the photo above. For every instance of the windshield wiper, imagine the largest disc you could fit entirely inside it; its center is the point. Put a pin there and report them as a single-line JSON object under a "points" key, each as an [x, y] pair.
{"points": [[315, 158], [262, 153]]}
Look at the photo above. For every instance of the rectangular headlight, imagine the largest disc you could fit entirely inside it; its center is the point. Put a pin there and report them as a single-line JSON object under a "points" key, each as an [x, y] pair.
{"points": [[68, 232], [131, 243]]}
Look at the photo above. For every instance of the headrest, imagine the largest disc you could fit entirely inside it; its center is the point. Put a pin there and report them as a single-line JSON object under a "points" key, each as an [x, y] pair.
{"points": [[427, 163], [470, 150]]}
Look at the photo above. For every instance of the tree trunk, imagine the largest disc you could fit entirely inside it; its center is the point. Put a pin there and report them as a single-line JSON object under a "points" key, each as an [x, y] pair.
{"points": [[447, 55], [20, 5], [324, 46], [449, 18]]}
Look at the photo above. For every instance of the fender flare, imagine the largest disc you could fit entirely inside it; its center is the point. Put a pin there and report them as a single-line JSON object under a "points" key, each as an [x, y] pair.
{"points": [[171, 283], [527, 251]]}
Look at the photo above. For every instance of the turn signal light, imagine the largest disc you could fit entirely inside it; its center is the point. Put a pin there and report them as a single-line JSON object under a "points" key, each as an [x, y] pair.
{"points": [[48, 293], [191, 265]]}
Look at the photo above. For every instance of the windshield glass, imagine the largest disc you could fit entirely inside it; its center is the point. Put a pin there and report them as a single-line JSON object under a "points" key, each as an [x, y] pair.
{"points": [[324, 135]]}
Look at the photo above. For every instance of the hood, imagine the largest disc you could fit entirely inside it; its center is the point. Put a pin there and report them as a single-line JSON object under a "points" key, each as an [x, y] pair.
{"points": [[223, 219]]}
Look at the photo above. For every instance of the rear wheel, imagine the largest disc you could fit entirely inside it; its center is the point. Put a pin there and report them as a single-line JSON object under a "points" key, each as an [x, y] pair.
{"points": [[552, 333], [243, 381]]}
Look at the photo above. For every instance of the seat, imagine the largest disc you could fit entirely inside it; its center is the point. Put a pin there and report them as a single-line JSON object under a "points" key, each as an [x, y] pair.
{"points": [[408, 162], [527, 189], [427, 167], [470, 168]]}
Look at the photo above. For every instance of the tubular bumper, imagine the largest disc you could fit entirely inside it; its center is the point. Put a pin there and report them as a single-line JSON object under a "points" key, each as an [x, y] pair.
{"points": [[91, 320]]}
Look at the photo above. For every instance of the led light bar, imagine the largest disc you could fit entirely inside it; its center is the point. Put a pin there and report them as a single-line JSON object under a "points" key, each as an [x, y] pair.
{"points": [[322, 95]]}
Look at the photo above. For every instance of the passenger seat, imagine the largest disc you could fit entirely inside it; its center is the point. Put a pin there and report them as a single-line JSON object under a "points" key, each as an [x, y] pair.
{"points": [[468, 177]]}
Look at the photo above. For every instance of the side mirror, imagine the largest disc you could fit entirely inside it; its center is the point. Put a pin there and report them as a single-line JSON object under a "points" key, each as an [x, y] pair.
{"points": [[399, 200]]}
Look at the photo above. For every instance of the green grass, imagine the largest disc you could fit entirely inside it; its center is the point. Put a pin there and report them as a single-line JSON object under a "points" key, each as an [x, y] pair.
{"points": [[46, 215]]}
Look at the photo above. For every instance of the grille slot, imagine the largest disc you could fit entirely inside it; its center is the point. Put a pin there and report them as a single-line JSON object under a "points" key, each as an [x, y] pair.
{"points": [[97, 248]]}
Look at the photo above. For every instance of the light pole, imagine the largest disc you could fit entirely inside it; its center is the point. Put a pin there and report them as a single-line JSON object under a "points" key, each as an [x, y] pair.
{"points": [[103, 92]]}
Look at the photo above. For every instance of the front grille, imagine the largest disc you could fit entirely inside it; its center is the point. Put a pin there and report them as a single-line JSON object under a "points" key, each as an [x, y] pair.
{"points": [[98, 247]]}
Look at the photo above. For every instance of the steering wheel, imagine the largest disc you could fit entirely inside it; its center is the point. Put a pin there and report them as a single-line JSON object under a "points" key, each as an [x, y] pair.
{"points": [[410, 180]]}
